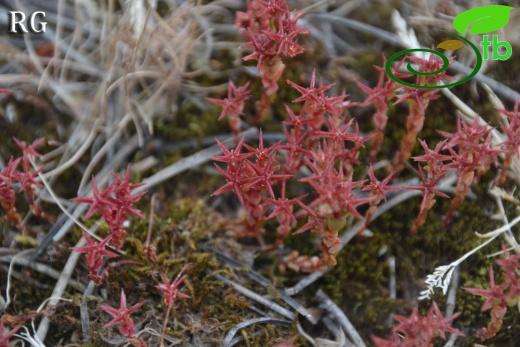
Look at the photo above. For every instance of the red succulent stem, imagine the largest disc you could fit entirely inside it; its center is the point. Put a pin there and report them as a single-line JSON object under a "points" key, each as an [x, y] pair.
{"points": [[379, 97], [418, 102], [377, 190], [271, 71], [414, 124]]}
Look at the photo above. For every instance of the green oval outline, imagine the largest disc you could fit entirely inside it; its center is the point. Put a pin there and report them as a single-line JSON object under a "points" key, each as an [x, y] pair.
{"points": [[445, 65]]}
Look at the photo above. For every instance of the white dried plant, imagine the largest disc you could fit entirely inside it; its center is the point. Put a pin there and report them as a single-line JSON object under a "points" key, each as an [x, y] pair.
{"points": [[407, 34], [441, 276]]}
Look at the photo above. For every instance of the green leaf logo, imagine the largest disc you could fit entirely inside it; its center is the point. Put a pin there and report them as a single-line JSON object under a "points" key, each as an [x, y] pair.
{"points": [[482, 20]]}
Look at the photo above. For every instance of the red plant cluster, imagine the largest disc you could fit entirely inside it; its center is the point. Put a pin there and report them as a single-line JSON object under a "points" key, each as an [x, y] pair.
{"points": [[323, 140], [26, 181], [475, 153], [417, 330], [470, 153], [499, 297], [272, 32], [114, 204], [417, 99], [326, 143], [251, 177]]}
